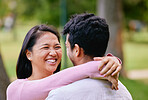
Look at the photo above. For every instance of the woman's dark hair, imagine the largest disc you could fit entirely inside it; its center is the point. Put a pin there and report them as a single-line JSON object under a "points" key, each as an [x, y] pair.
{"points": [[24, 67]]}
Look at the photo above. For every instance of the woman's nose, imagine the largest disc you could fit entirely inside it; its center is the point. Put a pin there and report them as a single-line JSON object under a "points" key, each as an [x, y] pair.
{"points": [[52, 53]]}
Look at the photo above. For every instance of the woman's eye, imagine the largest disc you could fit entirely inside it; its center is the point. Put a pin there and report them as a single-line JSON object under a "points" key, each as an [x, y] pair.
{"points": [[57, 47], [45, 47]]}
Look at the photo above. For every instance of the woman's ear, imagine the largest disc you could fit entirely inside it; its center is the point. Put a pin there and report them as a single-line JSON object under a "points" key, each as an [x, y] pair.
{"points": [[29, 55]]}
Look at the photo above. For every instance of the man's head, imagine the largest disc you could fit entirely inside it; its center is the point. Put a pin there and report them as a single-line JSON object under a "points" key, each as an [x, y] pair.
{"points": [[89, 32]]}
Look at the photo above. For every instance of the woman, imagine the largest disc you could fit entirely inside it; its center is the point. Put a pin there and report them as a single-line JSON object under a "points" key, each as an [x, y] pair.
{"points": [[39, 58]]}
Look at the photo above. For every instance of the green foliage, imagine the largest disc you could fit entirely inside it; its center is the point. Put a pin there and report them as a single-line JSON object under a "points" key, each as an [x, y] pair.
{"points": [[49, 11], [3, 8], [46, 11], [81, 6], [136, 9]]}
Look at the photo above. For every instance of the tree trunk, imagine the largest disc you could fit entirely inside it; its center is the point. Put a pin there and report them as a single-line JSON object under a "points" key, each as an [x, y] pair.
{"points": [[4, 80], [111, 10]]}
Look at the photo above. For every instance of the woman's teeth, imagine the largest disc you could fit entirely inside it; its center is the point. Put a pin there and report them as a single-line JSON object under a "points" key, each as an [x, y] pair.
{"points": [[52, 61]]}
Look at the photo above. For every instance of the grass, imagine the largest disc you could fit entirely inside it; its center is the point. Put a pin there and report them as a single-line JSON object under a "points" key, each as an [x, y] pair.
{"points": [[135, 50], [137, 88], [136, 56], [10, 52]]}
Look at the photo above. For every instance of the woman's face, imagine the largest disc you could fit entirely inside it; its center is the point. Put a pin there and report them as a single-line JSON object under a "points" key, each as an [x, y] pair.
{"points": [[46, 54]]}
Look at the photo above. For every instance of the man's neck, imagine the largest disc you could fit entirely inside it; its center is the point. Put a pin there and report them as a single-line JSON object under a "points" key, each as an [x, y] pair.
{"points": [[83, 60]]}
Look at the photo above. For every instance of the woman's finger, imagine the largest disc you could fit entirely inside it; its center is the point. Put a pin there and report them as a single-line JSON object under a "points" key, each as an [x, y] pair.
{"points": [[114, 82], [103, 63], [111, 70], [107, 68], [117, 70], [98, 58]]}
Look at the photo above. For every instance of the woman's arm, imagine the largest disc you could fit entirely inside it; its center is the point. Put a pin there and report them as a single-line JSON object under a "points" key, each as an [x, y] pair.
{"points": [[41, 88]]}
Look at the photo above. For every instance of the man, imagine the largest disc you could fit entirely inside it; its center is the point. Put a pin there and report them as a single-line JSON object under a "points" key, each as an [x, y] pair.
{"points": [[87, 37]]}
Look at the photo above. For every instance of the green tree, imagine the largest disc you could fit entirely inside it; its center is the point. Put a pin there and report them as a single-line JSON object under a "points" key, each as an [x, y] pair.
{"points": [[45, 11], [48, 11], [3, 8], [80, 6], [135, 9]]}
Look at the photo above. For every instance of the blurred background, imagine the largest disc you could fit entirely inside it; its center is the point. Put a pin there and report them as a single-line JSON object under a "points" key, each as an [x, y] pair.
{"points": [[127, 19]]}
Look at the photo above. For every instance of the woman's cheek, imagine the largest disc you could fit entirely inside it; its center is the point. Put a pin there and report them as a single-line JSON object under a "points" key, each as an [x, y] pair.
{"points": [[60, 53]]}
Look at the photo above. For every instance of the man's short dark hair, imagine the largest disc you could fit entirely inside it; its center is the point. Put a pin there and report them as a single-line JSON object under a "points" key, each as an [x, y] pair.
{"points": [[90, 32]]}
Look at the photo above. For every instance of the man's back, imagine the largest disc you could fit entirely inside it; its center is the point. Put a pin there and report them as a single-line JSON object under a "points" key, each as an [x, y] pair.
{"points": [[90, 89]]}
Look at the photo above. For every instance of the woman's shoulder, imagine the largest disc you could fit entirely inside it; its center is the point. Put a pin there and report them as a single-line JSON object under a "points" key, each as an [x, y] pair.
{"points": [[14, 89], [16, 83]]}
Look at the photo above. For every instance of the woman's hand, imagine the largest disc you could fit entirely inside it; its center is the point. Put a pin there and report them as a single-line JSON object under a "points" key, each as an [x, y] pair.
{"points": [[114, 81], [110, 65]]}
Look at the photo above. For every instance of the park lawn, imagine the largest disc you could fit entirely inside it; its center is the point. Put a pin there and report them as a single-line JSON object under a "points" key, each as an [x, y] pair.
{"points": [[136, 55], [10, 51], [135, 50], [137, 88]]}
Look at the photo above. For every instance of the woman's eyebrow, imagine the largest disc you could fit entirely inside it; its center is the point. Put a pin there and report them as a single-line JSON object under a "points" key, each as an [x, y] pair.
{"points": [[58, 44], [45, 44]]}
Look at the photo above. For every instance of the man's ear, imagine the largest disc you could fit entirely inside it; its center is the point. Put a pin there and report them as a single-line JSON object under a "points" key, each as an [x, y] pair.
{"points": [[77, 50], [29, 55]]}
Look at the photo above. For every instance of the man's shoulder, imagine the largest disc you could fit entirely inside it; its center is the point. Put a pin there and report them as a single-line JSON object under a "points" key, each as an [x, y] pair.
{"points": [[90, 88], [86, 83], [76, 91], [81, 87]]}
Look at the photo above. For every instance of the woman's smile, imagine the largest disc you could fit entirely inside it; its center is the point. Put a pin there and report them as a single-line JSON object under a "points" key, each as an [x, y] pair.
{"points": [[51, 61]]}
